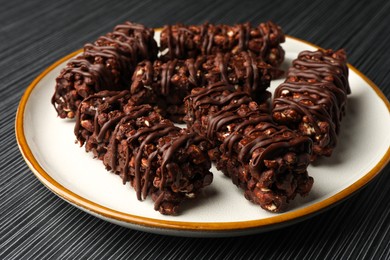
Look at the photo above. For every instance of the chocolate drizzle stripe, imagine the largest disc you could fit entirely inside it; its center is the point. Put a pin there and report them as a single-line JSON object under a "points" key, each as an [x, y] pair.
{"points": [[151, 134], [181, 41], [146, 186], [218, 87], [115, 96], [316, 90], [139, 111], [168, 153], [267, 160], [107, 64]]}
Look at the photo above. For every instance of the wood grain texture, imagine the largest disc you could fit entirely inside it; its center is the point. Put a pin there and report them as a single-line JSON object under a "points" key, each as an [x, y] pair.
{"points": [[36, 224]]}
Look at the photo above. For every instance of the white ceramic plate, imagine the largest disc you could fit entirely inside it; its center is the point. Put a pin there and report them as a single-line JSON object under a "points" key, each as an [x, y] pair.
{"points": [[48, 146]]}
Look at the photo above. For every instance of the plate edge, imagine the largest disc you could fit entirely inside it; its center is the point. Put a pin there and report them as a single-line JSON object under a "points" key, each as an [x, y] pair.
{"points": [[97, 209]]}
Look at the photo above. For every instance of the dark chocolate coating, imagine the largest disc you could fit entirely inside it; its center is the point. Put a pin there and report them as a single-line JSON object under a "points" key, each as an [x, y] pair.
{"points": [[268, 161], [181, 41], [168, 83], [107, 64], [157, 158], [312, 100], [97, 116]]}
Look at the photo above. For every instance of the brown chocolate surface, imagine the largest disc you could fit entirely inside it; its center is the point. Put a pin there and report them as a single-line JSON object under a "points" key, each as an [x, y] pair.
{"points": [[157, 158], [182, 41], [107, 64], [312, 99], [168, 83], [268, 161]]}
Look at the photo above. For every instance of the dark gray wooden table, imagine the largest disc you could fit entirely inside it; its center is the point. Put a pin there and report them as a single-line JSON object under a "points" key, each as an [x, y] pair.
{"points": [[34, 223]]}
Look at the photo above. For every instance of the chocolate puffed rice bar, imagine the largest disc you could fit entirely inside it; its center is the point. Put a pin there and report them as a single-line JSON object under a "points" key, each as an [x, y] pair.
{"points": [[313, 97], [188, 41], [166, 84], [158, 159], [269, 162], [107, 64]]}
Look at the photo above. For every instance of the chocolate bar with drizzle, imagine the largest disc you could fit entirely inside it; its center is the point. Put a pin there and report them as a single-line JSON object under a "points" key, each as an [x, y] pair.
{"points": [[313, 98], [188, 41], [158, 159], [107, 64], [269, 162], [166, 84]]}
